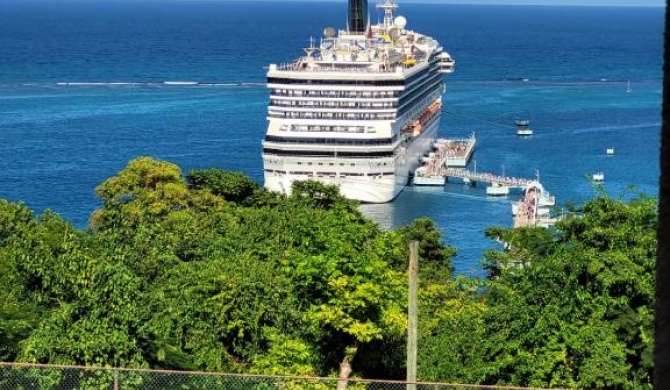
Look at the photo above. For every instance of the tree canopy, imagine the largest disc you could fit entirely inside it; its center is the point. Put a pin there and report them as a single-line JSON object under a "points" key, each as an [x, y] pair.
{"points": [[571, 307], [208, 271]]}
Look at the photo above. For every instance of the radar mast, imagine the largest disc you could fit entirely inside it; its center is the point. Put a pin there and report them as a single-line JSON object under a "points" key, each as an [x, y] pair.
{"points": [[311, 48], [388, 6]]}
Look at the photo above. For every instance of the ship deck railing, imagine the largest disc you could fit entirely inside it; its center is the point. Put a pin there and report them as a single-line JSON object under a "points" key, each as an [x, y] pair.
{"points": [[332, 158], [327, 67]]}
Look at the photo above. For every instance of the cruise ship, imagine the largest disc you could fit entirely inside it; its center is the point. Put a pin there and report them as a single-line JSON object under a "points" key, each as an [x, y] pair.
{"points": [[358, 110]]}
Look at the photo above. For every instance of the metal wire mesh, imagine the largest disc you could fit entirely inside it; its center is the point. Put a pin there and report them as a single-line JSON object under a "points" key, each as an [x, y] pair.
{"points": [[18, 376]]}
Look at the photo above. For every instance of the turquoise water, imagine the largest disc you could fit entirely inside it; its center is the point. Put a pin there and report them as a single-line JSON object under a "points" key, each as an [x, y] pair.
{"points": [[563, 68]]}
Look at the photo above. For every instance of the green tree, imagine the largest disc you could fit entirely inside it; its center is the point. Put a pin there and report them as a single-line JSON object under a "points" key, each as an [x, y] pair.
{"points": [[579, 314], [19, 314], [232, 186]]}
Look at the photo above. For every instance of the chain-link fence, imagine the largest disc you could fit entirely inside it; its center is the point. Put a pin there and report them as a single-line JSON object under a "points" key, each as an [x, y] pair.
{"points": [[16, 376]]}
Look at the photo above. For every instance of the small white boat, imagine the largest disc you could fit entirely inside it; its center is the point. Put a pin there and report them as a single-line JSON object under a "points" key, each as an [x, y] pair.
{"points": [[628, 88], [523, 128], [497, 189], [598, 177], [610, 151]]}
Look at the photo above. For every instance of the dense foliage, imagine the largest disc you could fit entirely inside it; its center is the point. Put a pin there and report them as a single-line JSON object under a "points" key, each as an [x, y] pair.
{"points": [[206, 272], [210, 272], [568, 308]]}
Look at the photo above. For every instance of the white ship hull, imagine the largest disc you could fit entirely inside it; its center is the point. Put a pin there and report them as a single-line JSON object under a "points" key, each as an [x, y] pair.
{"points": [[367, 189], [358, 110]]}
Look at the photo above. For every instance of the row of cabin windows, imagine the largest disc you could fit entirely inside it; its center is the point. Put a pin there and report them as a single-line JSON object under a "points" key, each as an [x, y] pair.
{"points": [[330, 174], [330, 104], [417, 96], [428, 85], [386, 163], [326, 153], [281, 80], [377, 83], [406, 83], [331, 141], [336, 94], [328, 129], [331, 115]]}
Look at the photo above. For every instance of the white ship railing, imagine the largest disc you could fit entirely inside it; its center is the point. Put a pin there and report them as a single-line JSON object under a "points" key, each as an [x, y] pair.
{"points": [[294, 67], [374, 161], [329, 147]]}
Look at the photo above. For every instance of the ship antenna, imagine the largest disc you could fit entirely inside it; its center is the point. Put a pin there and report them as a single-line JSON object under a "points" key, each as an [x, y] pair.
{"points": [[388, 6], [311, 48]]}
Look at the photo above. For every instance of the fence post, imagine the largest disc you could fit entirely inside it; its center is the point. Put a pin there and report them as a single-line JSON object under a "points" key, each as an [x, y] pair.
{"points": [[412, 315], [116, 378]]}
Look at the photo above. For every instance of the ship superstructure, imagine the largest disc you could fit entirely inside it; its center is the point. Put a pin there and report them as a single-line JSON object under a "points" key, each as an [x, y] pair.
{"points": [[357, 110]]}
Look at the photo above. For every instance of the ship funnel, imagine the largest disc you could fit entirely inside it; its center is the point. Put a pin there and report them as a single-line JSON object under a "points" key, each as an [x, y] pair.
{"points": [[358, 17]]}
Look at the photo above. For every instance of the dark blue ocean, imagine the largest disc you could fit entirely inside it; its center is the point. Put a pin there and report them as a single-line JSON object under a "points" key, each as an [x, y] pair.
{"points": [[82, 93]]}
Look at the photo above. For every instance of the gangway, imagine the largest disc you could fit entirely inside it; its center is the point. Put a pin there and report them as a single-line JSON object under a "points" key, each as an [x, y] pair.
{"points": [[485, 177]]}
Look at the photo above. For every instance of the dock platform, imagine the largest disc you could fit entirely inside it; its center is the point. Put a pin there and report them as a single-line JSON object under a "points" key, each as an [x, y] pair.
{"points": [[456, 152], [446, 153]]}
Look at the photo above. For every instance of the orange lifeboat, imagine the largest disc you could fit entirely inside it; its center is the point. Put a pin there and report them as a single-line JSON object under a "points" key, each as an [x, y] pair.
{"points": [[416, 128]]}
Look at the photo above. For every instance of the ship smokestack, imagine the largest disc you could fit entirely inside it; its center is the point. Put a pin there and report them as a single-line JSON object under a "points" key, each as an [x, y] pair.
{"points": [[358, 18]]}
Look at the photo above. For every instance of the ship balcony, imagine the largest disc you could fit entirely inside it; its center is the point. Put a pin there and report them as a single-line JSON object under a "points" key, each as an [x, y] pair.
{"points": [[333, 89], [344, 70], [338, 116], [446, 65], [318, 160], [333, 65], [358, 107], [335, 97], [352, 147]]}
